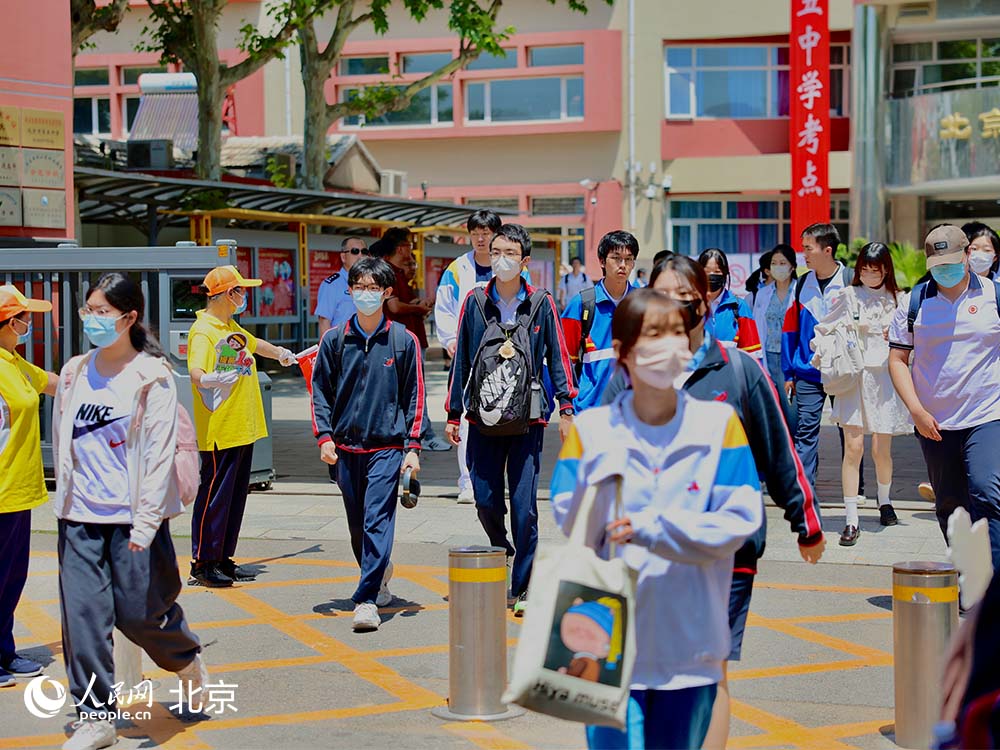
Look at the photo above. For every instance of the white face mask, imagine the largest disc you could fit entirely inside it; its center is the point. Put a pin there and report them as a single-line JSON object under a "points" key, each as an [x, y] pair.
{"points": [[980, 262], [659, 361], [781, 273], [505, 268]]}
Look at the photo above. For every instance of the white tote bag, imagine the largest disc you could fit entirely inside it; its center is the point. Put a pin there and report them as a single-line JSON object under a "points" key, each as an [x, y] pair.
{"points": [[577, 647]]}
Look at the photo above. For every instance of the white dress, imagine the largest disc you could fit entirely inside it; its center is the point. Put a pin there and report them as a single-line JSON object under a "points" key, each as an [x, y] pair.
{"points": [[874, 405]]}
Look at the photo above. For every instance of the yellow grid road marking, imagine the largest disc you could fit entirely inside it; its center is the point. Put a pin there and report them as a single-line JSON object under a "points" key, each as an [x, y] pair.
{"points": [[166, 730], [484, 736]]}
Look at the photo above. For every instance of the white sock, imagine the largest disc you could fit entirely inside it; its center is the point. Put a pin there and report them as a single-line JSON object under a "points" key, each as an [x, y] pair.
{"points": [[883, 494], [851, 507]]}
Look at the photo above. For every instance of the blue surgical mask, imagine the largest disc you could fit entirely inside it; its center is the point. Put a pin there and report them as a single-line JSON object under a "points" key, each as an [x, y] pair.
{"points": [[242, 306], [101, 331], [24, 338], [368, 303], [948, 274]]}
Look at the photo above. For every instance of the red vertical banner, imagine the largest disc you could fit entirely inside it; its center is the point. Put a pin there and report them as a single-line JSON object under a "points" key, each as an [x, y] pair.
{"points": [[809, 110]]}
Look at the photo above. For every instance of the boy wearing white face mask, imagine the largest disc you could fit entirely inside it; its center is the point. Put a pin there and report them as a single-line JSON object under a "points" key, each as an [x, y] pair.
{"points": [[513, 304], [229, 419], [361, 367]]}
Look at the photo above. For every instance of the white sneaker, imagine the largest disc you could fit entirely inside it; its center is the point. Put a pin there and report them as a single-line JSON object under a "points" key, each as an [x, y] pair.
{"points": [[384, 598], [92, 735], [366, 617], [466, 496], [195, 675]]}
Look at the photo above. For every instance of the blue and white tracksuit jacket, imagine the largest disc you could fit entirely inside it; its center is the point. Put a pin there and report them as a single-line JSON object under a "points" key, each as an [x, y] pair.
{"points": [[690, 513]]}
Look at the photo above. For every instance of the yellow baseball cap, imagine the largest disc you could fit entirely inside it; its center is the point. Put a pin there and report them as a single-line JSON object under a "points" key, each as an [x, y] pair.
{"points": [[12, 303], [224, 278]]}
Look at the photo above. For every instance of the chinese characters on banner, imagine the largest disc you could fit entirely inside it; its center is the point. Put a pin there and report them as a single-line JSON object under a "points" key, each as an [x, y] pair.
{"points": [[809, 97]]}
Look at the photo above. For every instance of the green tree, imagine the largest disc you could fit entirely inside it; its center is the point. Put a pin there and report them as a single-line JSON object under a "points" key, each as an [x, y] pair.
{"points": [[187, 31], [87, 19], [474, 22]]}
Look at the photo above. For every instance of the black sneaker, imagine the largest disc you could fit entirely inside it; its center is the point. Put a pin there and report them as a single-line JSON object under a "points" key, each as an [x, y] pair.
{"points": [[208, 574], [887, 516], [236, 572], [849, 536]]}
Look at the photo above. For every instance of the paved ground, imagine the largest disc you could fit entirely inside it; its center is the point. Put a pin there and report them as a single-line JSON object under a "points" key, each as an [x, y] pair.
{"points": [[817, 658]]}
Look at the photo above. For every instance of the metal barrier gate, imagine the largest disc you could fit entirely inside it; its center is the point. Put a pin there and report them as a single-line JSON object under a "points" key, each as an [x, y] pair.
{"points": [[169, 277]]}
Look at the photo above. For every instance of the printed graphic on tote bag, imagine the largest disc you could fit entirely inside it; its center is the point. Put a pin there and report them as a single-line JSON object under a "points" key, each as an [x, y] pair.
{"points": [[588, 634]]}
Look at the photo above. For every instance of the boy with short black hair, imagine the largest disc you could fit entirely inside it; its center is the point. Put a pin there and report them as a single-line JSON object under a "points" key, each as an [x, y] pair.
{"points": [[528, 319], [368, 408], [586, 321]]}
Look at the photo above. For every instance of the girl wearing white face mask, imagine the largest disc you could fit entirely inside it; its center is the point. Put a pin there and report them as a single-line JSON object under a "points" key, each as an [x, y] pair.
{"points": [[769, 309], [114, 427], [691, 498], [873, 407], [984, 249]]}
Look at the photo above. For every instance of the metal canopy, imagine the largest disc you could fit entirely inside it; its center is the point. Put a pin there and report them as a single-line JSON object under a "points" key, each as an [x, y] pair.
{"points": [[144, 201]]}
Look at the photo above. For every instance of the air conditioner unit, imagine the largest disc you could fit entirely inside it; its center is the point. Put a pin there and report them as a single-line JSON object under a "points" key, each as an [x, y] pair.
{"points": [[155, 154], [393, 183], [916, 12]]}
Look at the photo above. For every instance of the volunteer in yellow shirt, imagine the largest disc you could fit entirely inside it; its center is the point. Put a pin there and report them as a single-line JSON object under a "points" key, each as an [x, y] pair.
{"points": [[22, 484], [229, 419]]}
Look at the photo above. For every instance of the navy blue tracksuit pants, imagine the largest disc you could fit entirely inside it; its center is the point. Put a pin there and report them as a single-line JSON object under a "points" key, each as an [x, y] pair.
{"points": [[369, 483], [222, 499], [15, 537], [965, 473], [518, 457]]}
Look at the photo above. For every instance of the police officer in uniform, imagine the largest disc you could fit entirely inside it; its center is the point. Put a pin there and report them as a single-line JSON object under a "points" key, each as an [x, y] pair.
{"points": [[334, 304]]}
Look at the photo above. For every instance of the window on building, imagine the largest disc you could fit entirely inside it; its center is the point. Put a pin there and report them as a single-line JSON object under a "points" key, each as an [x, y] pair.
{"points": [[571, 54], [742, 82], [489, 62], [130, 76], [425, 62], [92, 115], [130, 108], [739, 225], [944, 65], [432, 106], [364, 66], [502, 204], [524, 99], [557, 206], [90, 77]]}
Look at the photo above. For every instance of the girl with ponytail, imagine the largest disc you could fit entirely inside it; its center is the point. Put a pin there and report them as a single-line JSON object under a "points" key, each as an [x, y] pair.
{"points": [[114, 443]]}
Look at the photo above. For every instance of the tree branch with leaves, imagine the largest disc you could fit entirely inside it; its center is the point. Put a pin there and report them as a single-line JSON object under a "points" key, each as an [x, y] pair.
{"points": [[187, 32], [474, 22], [87, 19]]}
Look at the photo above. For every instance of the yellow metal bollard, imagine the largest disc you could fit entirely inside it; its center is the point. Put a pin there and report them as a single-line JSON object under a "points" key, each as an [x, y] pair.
{"points": [[924, 617], [477, 636]]}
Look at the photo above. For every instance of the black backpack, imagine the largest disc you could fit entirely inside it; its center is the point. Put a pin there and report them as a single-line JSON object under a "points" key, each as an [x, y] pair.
{"points": [[503, 381], [588, 300]]}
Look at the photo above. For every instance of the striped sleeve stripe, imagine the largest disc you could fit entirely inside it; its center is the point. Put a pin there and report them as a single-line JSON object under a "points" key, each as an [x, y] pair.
{"points": [[563, 351], [809, 512], [418, 417]]}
